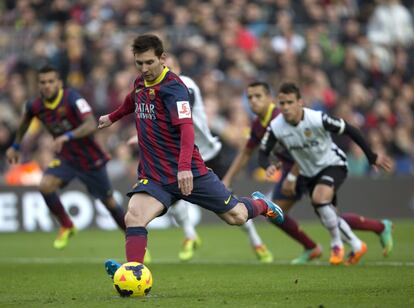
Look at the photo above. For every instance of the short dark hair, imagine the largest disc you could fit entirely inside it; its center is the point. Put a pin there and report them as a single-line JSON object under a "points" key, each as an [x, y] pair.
{"points": [[47, 68], [290, 87], [263, 84], [146, 42]]}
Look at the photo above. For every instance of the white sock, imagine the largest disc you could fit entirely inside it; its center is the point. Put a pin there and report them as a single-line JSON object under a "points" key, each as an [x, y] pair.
{"points": [[180, 213], [349, 236], [254, 237], [329, 219]]}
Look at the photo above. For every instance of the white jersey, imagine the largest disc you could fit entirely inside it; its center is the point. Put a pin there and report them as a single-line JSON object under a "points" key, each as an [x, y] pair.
{"points": [[310, 141], [208, 145]]}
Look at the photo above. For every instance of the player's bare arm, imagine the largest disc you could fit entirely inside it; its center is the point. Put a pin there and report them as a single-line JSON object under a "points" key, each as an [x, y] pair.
{"points": [[87, 127], [289, 184], [13, 153]]}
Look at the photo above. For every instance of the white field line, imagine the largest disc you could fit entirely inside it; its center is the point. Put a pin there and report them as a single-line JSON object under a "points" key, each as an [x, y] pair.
{"points": [[96, 260]]}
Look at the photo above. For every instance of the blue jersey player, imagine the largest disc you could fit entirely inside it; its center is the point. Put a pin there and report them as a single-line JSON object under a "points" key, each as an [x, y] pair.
{"points": [[170, 166], [68, 117]]}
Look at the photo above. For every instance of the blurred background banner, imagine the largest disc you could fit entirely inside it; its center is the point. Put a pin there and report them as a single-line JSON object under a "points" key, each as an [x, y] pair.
{"points": [[23, 208]]}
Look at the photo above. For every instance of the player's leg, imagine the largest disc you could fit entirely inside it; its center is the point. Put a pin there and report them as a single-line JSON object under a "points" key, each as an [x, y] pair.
{"points": [[262, 253], [98, 184], [210, 193], [290, 226], [55, 177], [323, 196], [312, 250], [191, 240], [148, 200], [383, 228]]}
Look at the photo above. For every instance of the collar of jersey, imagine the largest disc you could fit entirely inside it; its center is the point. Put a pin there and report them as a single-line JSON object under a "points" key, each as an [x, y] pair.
{"points": [[268, 115], [53, 104], [158, 79]]}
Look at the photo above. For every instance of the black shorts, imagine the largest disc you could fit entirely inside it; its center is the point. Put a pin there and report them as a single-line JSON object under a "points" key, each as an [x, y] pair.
{"points": [[332, 176], [218, 165]]}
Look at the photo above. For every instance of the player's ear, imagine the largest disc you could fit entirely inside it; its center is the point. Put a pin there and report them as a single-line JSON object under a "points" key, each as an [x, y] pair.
{"points": [[301, 103], [163, 58]]}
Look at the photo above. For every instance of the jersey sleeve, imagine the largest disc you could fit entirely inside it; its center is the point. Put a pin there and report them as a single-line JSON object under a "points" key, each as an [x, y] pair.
{"points": [[79, 105], [177, 101], [333, 125]]}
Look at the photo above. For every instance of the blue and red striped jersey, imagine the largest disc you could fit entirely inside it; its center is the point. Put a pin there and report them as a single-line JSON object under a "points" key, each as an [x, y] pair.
{"points": [[257, 131], [68, 114], [160, 108]]}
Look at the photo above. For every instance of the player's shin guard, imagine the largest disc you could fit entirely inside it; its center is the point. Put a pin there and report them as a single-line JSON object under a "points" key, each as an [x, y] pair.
{"points": [[254, 207], [254, 237], [329, 219], [55, 206], [118, 214], [348, 236], [135, 243]]}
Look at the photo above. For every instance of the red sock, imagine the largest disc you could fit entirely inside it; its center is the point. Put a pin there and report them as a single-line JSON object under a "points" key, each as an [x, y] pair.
{"points": [[254, 207], [136, 244], [357, 222], [291, 228], [55, 206]]}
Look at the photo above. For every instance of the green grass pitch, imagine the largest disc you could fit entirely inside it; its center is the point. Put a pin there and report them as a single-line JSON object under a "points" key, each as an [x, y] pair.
{"points": [[224, 272]]}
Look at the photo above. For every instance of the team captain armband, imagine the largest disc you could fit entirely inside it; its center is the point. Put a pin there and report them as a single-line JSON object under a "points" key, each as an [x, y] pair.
{"points": [[184, 110]]}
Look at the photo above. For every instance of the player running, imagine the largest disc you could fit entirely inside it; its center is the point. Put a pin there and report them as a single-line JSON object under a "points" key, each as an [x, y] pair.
{"points": [[68, 117], [305, 133]]}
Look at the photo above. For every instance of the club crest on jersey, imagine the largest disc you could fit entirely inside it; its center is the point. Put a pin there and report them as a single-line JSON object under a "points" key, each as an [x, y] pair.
{"points": [[151, 94], [184, 110], [61, 111], [307, 132]]}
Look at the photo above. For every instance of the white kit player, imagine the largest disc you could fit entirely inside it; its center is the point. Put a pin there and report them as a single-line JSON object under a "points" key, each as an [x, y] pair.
{"points": [[322, 165]]}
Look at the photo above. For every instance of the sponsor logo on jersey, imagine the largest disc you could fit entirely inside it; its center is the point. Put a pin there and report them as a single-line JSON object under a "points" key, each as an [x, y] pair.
{"points": [[184, 110], [145, 111]]}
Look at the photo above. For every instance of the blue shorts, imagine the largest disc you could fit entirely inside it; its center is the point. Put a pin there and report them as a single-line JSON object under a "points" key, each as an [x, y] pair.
{"points": [[279, 195], [95, 180], [208, 192]]}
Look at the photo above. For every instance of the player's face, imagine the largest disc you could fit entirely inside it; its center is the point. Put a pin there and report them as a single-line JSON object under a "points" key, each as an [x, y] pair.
{"points": [[259, 99], [149, 65], [291, 107], [49, 85]]}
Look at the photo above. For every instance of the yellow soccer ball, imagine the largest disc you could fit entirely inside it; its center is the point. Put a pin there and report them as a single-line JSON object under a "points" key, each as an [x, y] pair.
{"points": [[133, 279]]}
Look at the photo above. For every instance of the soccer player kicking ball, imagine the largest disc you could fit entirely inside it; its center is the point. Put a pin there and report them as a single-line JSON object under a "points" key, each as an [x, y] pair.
{"points": [[69, 119], [170, 166], [305, 133]]}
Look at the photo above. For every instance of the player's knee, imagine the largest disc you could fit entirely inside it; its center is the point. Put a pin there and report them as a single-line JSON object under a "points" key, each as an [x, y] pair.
{"points": [[133, 220], [235, 218]]}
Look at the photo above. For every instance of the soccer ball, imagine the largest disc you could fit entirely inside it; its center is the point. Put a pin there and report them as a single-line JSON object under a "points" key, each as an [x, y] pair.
{"points": [[133, 279]]}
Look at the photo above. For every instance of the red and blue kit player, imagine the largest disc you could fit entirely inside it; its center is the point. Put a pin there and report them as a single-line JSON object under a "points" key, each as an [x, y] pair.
{"points": [[170, 166], [286, 193], [68, 117]]}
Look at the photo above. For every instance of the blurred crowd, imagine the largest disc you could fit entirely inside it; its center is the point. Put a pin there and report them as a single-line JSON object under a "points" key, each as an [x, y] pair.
{"points": [[352, 58]]}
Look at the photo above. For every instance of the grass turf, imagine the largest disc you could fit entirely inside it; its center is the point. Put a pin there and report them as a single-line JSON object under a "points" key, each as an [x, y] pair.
{"points": [[224, 271]]}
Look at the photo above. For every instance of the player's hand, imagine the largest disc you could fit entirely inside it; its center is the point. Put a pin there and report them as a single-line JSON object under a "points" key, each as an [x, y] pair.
{"points": [[59, 142], [104, 121], [271, 170], [384, 162], [289, 187], [12, 155], [185, 182]]}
